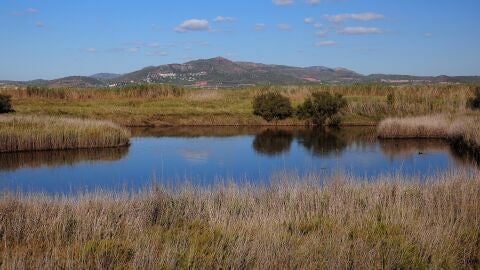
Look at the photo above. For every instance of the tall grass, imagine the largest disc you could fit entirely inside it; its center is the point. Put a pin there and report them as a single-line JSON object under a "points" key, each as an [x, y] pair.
{"points": [[436, 126], [371, 99], [26, 133], [36, 159], [466, 129], [300, 223], [163, 105], [463, 132], [129, 91]]}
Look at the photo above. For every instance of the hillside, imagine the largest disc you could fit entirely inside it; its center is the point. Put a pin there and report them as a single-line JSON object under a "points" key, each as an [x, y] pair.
{"points": [[218, 72]]}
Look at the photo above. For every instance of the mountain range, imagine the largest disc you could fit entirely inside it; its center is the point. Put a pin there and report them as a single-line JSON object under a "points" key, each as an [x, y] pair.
{"points": [[218, 72]]}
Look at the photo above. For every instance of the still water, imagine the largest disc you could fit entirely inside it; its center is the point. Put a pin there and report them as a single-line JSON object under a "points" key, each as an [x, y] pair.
{"points": [[209, 155]]}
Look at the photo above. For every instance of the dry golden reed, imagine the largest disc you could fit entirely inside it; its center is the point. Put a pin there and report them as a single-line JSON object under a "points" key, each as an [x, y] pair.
{"points": [[26, 133], [436, 126], [464, 129], [294, 223]]}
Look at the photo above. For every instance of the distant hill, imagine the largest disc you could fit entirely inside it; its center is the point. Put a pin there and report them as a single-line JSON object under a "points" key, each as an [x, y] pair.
{"points": [[105, 76], [220, 71]]}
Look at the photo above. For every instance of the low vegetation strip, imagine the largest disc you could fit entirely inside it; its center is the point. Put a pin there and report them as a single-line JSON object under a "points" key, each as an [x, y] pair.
{"points": [[26, 133], [295, 222], [467, 131], [163, 105], [437, 126], [464, 131]]}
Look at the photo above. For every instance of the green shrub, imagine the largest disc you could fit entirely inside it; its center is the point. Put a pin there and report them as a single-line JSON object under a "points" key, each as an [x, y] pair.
{"points": [[5, 104], [107, 254], [272, 106], [474, 103], [321, 108], [391, 99]]}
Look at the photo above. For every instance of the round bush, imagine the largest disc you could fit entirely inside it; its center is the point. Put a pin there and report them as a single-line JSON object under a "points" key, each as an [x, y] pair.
{"points": [[474, 103], [5, 104], [321, 108], [272, 106]]}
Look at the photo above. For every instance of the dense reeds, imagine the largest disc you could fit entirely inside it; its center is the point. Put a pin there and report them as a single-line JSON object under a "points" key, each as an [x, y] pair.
{"points": [[129, 91], [437, 126], [463, 132], [162, 105], [302, 223], [25, 133]]}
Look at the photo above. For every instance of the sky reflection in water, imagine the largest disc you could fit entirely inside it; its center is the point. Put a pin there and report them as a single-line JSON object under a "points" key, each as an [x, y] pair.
{"points": [[207, 155]]}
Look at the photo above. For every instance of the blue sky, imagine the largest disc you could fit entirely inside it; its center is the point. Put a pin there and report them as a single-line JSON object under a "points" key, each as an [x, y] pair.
{"points": [[55, 38]]}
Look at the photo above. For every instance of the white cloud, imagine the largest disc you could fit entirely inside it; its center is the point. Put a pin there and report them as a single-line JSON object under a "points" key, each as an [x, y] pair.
{"points": [[428, 35], [260, 26], [153, 45], [89, 50], [32, 10], [282, 2], [40, 24], [368, 16], [317, 25], [309, 20], [223, 19], [157, 53], [325, 43], [360, 31], [321, 33], [204, 43], [27, 11], [313, 2], [132, 49], [284, 26], [192, 25]]}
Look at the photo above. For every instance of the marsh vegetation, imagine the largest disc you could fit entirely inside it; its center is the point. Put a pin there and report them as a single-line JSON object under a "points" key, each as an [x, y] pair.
{"points": [[28, 133], [309, 223], [464, 131], [317, 220], [366, 104]]}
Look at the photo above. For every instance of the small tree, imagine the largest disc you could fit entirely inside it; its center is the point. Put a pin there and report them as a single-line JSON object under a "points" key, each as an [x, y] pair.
{"points": [[391, 99], [5, 104], [474, 103], [321, 108], [272, 106]]}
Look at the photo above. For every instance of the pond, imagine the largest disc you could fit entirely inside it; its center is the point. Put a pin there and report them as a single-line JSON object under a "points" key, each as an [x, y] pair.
{"points": [[204, 156]]}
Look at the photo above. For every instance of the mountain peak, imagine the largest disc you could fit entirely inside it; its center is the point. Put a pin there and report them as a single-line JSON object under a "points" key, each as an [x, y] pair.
{"points": [[220, 71], [215, 60], [220, 58]]}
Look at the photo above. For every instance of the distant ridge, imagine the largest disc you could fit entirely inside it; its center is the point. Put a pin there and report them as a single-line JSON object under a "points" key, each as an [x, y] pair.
{"points": [[220, 71], [105, 76]]}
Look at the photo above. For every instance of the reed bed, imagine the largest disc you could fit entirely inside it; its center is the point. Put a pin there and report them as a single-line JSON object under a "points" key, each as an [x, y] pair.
{"points": [[294, 223], [436, 126], [164, 105], [133, 91], [27, 133], [466, 129], [462, 132]]}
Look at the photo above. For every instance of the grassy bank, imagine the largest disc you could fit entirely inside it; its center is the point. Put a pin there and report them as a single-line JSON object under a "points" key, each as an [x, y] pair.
{"points": [[25, 133], [389, 223], [464, 130], [367, 104]]}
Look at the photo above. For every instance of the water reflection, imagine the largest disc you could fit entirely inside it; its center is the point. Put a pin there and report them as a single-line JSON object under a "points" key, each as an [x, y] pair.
{"points": [[318, 141], [205, 154], [322, 141], [273, 142], [37, 159], [409, 147]]}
